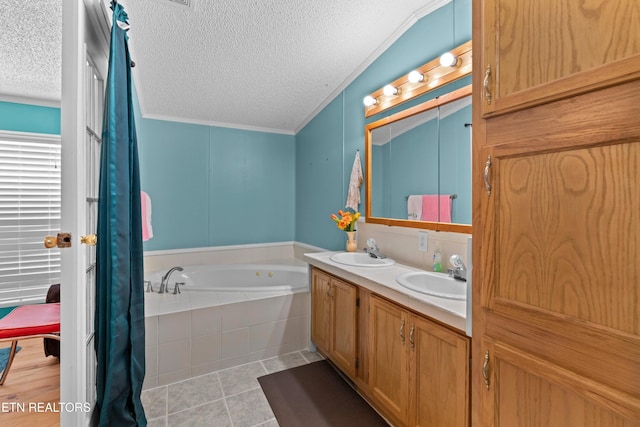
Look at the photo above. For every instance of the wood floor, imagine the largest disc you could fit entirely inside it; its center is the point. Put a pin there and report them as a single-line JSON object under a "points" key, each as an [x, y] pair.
{"points": [[32, 383]]}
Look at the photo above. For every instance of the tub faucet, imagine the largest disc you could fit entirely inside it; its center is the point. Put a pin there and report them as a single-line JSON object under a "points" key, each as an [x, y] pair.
{"points": [[373, 250], [459, 271], [164, 284]]}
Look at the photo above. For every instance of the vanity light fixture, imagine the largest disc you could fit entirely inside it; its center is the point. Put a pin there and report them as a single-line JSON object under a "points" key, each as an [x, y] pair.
{"points": [[453, 65], [370, 101], [448, 59], [415, 77], [390, 90]]}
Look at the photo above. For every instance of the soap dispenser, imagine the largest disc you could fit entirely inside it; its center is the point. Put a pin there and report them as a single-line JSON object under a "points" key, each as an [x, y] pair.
{"points": [[437, 259]]}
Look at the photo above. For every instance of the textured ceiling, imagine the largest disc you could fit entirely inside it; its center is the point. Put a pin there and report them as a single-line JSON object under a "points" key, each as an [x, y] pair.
{"points": [[253, 64], [30, 50]]}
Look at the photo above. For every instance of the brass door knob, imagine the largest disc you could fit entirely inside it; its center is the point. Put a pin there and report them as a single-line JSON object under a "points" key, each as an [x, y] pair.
{"points": [[62, 240], [50, 242], [90, 240]]}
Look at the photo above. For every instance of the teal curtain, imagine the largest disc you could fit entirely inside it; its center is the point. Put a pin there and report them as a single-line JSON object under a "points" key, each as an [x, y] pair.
{"points": [[119, 317]]}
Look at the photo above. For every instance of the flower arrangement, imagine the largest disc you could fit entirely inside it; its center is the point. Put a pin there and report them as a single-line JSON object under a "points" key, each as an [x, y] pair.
{"points": [[346, 220]]}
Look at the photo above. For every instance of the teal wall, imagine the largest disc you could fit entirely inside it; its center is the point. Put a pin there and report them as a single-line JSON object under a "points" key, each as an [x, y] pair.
{"points": [[455, 163], [330, 132], [319, 157], [29, 118], [213, 186]]}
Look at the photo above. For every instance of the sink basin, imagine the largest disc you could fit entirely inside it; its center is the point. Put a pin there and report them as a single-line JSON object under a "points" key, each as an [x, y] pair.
{"points": [[360, 259], [436, 284]]}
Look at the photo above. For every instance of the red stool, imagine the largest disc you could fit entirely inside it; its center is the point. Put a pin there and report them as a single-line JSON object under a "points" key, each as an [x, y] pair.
{"points": [[29, 321]]}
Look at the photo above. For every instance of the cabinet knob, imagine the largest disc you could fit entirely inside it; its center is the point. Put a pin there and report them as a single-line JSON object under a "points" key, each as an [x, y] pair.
{"points": [[487, 92], [413, 344], [485, 369], [402, 331], [487, 184]]}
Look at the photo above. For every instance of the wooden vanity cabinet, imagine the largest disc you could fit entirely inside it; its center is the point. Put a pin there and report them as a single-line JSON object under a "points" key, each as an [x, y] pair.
{"points": [[539, 51], [418, 369], [333, 319], [389, 358], [556, 222]]}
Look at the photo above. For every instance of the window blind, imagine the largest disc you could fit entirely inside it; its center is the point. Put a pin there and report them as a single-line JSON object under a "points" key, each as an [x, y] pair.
{"points": [[29, 210]]}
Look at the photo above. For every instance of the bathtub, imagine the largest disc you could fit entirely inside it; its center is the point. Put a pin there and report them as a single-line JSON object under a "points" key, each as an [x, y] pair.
{"points": [[224, 316], [237, 278]]}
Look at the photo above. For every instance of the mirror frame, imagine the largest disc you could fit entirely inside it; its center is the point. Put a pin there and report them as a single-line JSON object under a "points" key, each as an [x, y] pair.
{"points": [[425, 106]]}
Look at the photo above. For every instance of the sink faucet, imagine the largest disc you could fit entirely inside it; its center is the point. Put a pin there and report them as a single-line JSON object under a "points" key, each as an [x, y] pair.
{"points": [[459, 271], [164, 284], [373, 250]]}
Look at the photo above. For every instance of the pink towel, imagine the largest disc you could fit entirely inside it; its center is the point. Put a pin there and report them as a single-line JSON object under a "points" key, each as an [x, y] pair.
{"points": [[145, 205], [436, 208]]}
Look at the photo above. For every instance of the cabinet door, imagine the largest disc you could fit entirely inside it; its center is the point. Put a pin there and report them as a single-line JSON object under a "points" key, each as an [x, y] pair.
{"points": [[527, 391], [388, 355], [439, 376], [556, 274], [537, 51], [343, 335], [321, 310]]}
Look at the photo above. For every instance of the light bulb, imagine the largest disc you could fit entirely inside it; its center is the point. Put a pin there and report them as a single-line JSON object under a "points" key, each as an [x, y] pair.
{"points": [[389, 90], [369, 101], [415, 77], [448, 60]]}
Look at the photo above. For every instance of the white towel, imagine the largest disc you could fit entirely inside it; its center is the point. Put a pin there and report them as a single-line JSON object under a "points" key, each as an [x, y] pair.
{"points": [[353, 198], [414, 207]]}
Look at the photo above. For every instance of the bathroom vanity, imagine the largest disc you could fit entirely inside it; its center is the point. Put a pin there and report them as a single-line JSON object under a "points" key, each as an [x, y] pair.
{"points": [[406, 352]]}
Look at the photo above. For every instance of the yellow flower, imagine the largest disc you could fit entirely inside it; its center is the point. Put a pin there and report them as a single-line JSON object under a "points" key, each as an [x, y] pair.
{"points": [[345, 220]]}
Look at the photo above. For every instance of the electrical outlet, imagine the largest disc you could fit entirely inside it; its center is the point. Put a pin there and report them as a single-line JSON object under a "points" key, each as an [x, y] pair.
{"points": [[423, 241]]}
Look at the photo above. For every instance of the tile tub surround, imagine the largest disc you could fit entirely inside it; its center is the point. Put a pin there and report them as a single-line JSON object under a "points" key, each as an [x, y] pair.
{"points": [[262, 253], [197, 341], [228, 397]]}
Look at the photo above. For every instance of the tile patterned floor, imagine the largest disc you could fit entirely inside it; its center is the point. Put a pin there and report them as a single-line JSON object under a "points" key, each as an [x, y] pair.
{"points": [[227, 398]]}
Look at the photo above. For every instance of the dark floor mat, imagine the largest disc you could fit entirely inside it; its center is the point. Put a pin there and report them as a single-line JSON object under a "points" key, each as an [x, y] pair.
{"points": [[314, 395]]}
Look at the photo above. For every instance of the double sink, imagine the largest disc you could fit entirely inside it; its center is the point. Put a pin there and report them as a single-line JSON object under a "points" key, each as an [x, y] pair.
{"points": [[426, 282]]}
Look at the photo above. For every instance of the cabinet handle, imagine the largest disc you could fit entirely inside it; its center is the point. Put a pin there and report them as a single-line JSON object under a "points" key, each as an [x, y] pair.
{"points": [[413, 344], [402, 331], [487, 92], [486, 175], [485, 369]]}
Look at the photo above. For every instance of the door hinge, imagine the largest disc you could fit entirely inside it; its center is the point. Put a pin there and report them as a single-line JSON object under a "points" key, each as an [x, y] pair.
{"points": [[358, 302], [357, 363]]}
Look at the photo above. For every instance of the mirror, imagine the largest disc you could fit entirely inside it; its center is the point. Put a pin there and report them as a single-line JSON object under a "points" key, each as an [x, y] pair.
{"points": [[419, 165]]}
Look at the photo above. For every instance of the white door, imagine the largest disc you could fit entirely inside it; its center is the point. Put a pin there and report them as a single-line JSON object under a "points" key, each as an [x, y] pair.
{"points": [[84, 66]]}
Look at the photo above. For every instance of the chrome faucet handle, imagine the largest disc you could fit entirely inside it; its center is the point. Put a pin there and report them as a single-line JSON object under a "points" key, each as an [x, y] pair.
{"points": [[149, 286], [456, 261], [371, 242], [176, 289], [459, 269]]}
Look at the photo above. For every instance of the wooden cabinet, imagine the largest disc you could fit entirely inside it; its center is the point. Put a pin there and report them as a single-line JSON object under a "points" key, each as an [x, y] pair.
{"points": [[389, 358], [321, 324], [438, 375], [557, 238], [538, 51], [419, 370], [333, 321]]}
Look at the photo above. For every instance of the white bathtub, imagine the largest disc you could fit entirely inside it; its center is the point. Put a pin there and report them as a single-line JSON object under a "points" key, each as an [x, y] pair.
{"points": [[225, 315], [241, 277], [213, 285]]}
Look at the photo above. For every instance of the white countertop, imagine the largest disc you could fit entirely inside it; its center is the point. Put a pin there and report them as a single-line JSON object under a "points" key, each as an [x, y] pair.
{"points": [[382, 281]]}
